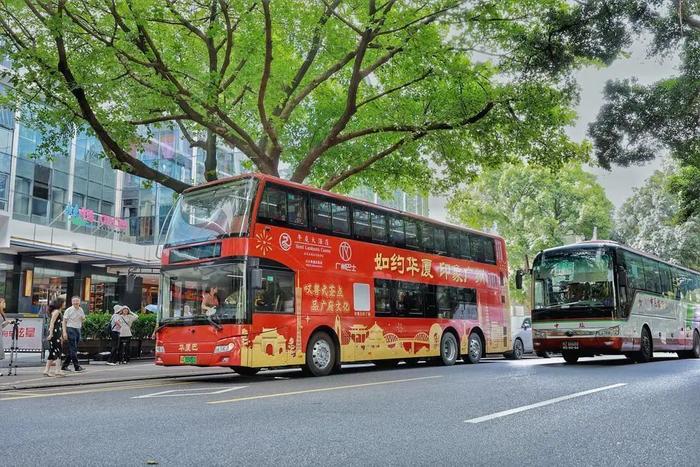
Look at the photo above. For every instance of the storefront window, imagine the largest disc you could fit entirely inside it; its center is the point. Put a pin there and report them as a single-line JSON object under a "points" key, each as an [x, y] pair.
{"points": [[48, 285], [103, 294]]}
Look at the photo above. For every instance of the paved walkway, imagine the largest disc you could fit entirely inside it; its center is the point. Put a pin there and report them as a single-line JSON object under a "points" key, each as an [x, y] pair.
{"points": [[100, 372]]}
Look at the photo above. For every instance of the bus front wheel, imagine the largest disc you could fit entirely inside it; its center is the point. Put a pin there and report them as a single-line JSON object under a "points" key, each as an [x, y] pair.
{"points": [[320, 354], [474, 351], [570, 357]]}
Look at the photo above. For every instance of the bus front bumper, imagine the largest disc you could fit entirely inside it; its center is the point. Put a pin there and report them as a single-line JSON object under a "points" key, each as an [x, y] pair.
{"points": [[588, 345]]}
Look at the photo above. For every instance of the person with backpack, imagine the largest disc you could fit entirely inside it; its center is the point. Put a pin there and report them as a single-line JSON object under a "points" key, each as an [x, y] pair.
{"points": [[113, 330], [126, 319]]}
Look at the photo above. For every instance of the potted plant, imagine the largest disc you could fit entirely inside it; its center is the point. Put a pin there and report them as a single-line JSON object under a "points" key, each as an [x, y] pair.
{"points": [[95, 338], [142, 330]]}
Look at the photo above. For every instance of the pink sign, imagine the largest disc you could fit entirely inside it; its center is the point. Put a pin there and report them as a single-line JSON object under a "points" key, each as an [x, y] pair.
{"points": [[85, 216]]}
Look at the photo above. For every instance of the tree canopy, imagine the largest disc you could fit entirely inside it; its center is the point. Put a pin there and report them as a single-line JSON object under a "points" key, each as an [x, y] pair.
{"points": [[534, 208], [640, 122], [338, 93], [646, 221]]}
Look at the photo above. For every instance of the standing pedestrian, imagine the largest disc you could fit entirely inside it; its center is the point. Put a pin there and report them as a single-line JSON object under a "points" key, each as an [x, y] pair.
{"points": [[3, 322], [127, 319], [114, 327], [55, 337], [73, 320]]}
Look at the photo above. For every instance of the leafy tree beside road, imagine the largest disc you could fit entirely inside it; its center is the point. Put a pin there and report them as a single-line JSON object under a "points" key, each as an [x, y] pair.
{"points": [[340, 92], [534, 208]]}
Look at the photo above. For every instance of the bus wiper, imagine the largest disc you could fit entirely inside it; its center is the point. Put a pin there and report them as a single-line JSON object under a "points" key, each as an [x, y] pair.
{"points": [[216, 325]]}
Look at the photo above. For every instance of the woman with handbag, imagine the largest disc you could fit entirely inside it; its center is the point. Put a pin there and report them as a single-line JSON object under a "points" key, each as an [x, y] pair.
{"points": [[126, 319], [56, 337], [114, 327]]}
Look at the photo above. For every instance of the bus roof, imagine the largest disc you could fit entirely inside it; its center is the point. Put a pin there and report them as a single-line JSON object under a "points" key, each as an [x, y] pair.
{"points": [[281, 181], [611, 243]]}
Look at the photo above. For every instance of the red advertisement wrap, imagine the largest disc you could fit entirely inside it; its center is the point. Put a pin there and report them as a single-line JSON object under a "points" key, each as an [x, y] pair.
{"points": [[334, 291]]}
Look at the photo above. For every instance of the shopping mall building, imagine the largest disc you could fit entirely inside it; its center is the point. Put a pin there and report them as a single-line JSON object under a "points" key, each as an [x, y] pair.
{"points": [[75, 226]]}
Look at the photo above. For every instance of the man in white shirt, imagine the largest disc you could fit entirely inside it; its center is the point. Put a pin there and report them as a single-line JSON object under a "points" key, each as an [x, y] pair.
{"points": [[73, 319]]}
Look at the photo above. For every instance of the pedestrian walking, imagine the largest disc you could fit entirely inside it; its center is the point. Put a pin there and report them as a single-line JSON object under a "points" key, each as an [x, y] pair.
{"points": [[114, 326], [3, 323], [73, 319], [56, 335], [127, 318]]}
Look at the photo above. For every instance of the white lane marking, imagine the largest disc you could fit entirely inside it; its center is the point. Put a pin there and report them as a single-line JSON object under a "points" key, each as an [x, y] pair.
{"points": [[189, 392], [505, 413]]}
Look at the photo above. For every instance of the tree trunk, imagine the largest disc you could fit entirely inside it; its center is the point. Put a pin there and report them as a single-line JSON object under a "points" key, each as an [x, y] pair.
{"points": [[210, 173]]}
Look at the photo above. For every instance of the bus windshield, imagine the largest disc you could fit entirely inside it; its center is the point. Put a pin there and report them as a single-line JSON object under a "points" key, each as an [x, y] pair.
{"points": [[214, 212], [204, 293], [573, 278]]}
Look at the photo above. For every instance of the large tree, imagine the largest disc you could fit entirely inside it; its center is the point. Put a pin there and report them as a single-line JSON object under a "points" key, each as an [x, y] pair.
{"points": [[640, 122], [646, 221], [534, 208], [337, 92]]}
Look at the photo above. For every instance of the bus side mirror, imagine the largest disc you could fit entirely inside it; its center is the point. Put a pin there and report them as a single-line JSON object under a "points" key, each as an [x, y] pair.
{"points": [[256, 278], [519, 279]]}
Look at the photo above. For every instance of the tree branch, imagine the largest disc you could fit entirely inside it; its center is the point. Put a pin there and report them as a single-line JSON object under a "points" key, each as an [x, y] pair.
{"points": [[394, 89], [267, 125], [160, 118]]}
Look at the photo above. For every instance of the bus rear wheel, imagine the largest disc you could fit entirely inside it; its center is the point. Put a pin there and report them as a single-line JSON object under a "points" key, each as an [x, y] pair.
{"points": [[320, 354], [449, 350], [570, 357], [695, 351], [646, 349], [245, 370], [474, 349]]}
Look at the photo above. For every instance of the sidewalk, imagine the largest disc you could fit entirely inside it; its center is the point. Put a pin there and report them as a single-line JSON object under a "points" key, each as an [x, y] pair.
{"points": [[100, 372]]}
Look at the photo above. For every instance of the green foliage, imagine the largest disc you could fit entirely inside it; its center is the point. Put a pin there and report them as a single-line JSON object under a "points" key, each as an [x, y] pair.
{"points": [[533, 209], [144, 326], [646, 221], [639, 122], [95, 325], [383, 94]]}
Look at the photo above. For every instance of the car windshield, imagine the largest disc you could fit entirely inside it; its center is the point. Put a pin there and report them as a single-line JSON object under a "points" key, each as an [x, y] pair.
{"points": [[213, 212], [204, 293], [573, 278]]}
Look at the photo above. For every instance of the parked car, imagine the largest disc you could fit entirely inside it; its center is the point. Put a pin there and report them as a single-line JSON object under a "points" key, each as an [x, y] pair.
{"points": [[522, 340]]}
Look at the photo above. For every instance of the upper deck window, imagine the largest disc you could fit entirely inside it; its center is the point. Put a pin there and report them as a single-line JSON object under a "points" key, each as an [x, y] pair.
{"points": [[213, 212], [283, 206]]}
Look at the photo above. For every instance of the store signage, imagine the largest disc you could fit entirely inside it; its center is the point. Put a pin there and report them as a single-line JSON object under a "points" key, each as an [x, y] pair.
{"points": [[88, 217], [29, 334]]}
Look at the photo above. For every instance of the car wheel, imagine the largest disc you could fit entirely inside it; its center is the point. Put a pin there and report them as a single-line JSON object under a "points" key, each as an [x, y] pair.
{"points": [[518, 349], [245, 370], [570, 357], [320, 354], [474, 349]]}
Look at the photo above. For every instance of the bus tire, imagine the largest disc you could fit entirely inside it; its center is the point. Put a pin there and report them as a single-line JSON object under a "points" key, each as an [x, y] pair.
{"points": [[320, 354], [449, 350], [245, 370], [646, 347], [570, 357], [695, 351], [474, 349]]}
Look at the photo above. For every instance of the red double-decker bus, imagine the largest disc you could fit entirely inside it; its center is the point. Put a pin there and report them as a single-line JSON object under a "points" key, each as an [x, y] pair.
{"points": [[259, 272]]}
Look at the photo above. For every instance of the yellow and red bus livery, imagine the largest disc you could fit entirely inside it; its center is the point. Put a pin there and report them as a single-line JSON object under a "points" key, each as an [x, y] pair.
{"points": [[259, 272]]}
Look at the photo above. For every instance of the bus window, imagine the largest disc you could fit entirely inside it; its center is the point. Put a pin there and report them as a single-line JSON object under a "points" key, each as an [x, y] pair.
{"points": [[464, 249], [666, 282], [427, 237], [439, 238], [378, 227], [651, 276], [360, 224], [411, 227], [477, 248], [489, 251], [635, 271], [277, 292], [321, 214], [409, 299], [274, 204], [296, 209], [382, 297], [453, 243], [397, 235], [340, 219]]}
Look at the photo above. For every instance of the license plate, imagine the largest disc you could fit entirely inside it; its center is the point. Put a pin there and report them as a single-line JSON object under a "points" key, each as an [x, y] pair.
{"points": [[188, 360], [569, 345]]}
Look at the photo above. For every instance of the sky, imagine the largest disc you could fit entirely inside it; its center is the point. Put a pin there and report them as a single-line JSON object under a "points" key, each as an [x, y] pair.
{"points": [[620, 181]]}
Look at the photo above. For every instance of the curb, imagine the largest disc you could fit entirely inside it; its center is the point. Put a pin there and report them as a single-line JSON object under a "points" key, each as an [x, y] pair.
{"points": [[68, 383]]}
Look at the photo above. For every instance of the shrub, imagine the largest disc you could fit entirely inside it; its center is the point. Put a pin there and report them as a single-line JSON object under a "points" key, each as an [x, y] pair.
{"points": [[95, 326], [144, 326]]}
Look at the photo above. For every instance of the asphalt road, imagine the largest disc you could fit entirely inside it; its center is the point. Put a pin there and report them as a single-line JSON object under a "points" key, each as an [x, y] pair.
{"points": [[546, 413]]}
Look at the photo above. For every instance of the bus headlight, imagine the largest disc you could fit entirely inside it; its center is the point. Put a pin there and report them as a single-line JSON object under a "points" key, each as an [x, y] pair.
{"points": [[223, 348], [160, 349], [537, 334], [608, 332]]}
